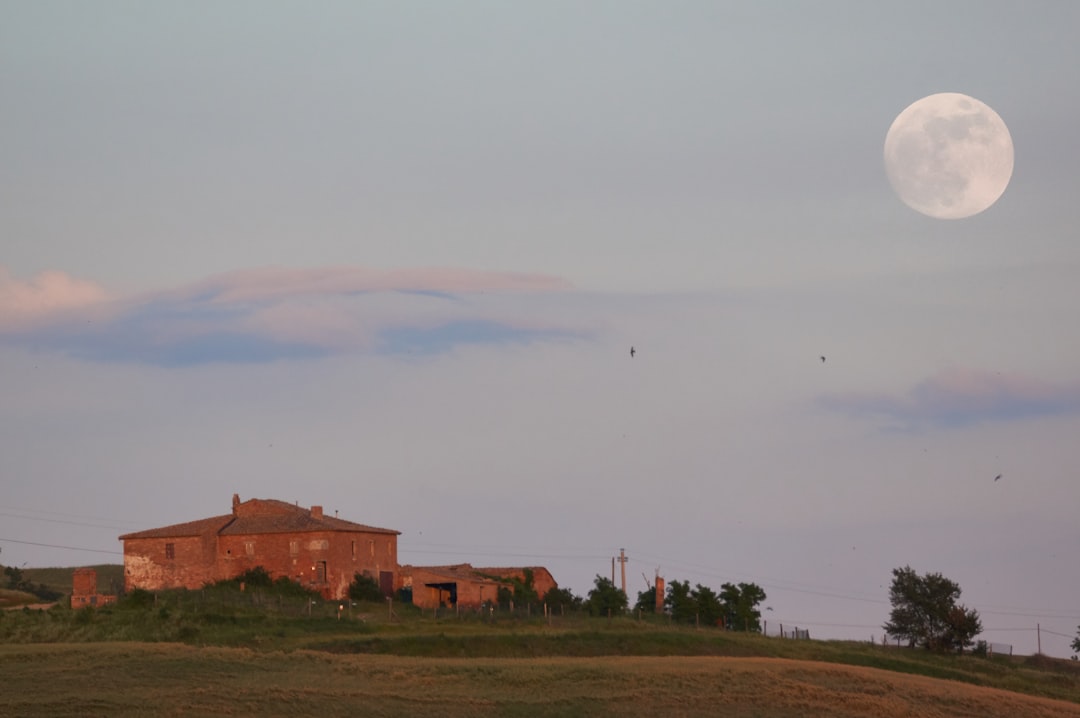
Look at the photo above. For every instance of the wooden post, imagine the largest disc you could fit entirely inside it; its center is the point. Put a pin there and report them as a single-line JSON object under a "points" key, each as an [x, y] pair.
{"points": [[1038, 638], [622, 567]]}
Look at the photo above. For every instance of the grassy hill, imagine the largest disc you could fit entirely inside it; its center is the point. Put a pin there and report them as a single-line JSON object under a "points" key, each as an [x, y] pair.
{"points": [[326, 658], [126, 679], [10, 598], [110, 577]]}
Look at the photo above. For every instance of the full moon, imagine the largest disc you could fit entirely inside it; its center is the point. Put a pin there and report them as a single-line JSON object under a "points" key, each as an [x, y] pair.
{"points": [[948, 156]]}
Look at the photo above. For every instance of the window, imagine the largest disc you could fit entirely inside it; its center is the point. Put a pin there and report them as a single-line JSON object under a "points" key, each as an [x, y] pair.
{"points": [[294, 548], [371, 546], [170, 550], [354, 550], [249, 547]]}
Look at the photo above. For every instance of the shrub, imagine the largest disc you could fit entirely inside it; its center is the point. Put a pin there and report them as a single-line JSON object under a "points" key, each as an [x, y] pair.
{"points": [[137, 598], [257, 577], [364, 588]]}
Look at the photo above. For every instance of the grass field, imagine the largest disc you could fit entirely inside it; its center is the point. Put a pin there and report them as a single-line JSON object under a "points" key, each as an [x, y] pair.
{"points": [[10, 598], [219, 650], [126, 679]]}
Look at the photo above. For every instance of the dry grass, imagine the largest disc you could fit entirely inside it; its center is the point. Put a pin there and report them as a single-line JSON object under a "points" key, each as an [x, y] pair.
{"points": [[125, 679], [10, 598]]}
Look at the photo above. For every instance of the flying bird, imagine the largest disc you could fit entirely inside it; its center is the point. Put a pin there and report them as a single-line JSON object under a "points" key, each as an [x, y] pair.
{"points": [[632, 352], [822, 360], [997, 477]]}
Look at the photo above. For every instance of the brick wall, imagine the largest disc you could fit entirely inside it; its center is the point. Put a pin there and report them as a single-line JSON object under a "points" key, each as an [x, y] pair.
{"points": [[176, 562], [84, 590], [325, 561]]}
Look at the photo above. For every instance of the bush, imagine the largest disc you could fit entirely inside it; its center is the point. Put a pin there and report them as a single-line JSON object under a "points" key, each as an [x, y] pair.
{"points": [[364, 588], [137, 598], [257, 577]]}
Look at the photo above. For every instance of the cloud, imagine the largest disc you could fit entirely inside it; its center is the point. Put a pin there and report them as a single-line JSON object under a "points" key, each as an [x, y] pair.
{"points": [[962, 397], [47, 296], [262, 315]]}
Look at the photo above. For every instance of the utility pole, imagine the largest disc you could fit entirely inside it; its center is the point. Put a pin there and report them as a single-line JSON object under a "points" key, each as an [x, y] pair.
{"points": [[622, 562], [1038, 638]]}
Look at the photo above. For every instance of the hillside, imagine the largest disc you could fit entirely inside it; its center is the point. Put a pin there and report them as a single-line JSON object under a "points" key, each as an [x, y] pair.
{"points": [[110, 577], [122, 679]]}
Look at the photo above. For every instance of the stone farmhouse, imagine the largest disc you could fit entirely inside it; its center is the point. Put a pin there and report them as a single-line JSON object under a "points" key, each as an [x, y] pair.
{"points": [[322, 553], [466, 586]]}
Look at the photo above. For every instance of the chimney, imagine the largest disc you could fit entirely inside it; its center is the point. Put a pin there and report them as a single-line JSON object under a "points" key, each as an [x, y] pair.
{"points": [[316, 512], [659, 584], [235, 503]]}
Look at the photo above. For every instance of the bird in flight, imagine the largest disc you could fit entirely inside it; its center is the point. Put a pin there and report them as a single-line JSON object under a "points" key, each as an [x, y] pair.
{"points": [[632, 352], [822, 360], [997, 477]]}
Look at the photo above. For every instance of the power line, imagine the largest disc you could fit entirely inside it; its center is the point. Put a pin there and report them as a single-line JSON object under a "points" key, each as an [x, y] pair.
{"points": [[70, 516], [770, 583], [61, 521], [1047, 630], [1071, 617], [501, 553], [70, 548]]}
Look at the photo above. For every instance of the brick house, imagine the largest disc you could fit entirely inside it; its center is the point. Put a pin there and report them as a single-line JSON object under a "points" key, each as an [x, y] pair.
{"points": [[320, 552], [465, 586], [84, 590]]}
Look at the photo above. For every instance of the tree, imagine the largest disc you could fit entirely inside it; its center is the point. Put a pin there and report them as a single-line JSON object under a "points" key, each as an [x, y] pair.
{"points": [[1076, 641], [365, 588], [680, 602], [709, 609], [605, 598], [740, 605], [563, 599], [925, 612], [524, 592], [646, 601]]}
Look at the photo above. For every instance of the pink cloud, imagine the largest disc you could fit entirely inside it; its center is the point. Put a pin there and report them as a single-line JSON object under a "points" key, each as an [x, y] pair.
{"points": [[964, 396], [270, 282], [48, 295], [263, 314]]}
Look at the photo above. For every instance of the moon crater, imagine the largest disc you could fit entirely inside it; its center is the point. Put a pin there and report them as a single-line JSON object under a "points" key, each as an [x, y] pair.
{"points": [[949, 156]]}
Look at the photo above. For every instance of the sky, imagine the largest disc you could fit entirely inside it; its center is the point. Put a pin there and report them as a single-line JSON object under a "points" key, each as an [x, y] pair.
{"points": [[390, 258]]}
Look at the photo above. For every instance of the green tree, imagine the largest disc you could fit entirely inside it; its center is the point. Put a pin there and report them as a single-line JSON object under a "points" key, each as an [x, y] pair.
{"points": [[740, 606], [926, 613], [562, 598], [646, 601], [1076, 641], [709, 608], [524, 592], [680, 602], [605, 598], [14, 576], [365, 588]]}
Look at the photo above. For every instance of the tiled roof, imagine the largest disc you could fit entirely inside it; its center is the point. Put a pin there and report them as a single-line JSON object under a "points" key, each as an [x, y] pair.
{"points": [[457, 572], [507, 571], [191, 528], [299, 521], [281, 517]]}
